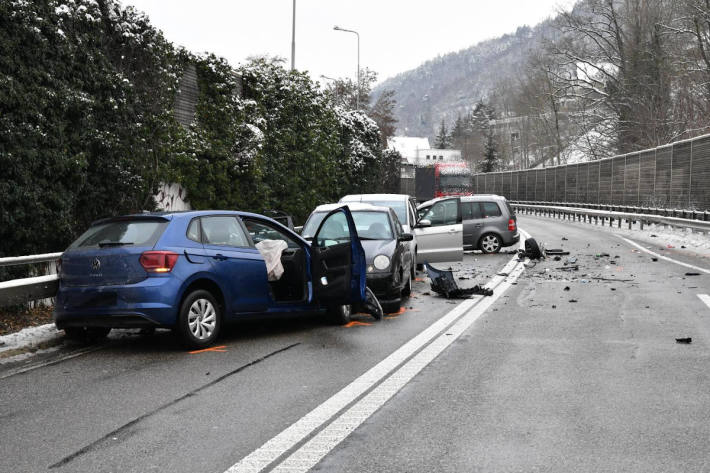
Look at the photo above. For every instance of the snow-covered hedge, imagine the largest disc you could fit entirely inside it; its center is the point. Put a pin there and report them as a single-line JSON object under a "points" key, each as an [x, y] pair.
{"points": [[87, 127]]}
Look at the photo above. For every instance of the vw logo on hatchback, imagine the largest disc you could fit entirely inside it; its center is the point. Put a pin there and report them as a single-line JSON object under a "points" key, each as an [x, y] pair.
{"points": [[96, 264]]}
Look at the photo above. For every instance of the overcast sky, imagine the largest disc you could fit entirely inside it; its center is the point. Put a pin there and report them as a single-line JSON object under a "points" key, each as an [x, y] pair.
{"points": [[395, 35]]}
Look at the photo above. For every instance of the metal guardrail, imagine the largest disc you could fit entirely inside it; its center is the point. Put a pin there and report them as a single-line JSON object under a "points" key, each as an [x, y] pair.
{"points": [[18, 291], [680, 213], [592, 215]]}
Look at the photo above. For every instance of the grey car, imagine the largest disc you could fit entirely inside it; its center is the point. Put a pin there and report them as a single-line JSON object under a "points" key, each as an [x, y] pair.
{"points": [[489, 222]]}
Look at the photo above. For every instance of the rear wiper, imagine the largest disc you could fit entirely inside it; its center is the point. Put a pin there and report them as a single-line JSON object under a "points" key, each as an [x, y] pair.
{"points": [[103, 244]]}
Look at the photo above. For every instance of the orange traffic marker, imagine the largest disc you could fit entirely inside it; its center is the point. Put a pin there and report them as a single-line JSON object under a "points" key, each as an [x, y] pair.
{"points": [[219, 349], [354, 323]]}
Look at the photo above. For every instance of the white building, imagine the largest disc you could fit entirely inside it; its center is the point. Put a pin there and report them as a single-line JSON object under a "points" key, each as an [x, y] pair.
{"points": [[418, 152], [433, 156], [408, 147]]}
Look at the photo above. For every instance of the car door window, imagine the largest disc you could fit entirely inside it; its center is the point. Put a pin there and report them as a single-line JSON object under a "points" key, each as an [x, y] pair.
{"points": [[490, 209], [223, 230], [443, 213], [193, 231], [422, 212], [260, 231], [467, 210], [333, 231], [397, 225]]}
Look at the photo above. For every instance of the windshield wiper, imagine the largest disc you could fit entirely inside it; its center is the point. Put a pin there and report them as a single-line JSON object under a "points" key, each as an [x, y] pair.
{"points": [[103, 244]]}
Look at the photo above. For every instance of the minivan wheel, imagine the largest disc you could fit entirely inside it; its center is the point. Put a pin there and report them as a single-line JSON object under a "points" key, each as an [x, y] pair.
{"points": [[200, 319], [490, 243], [340, 314]]}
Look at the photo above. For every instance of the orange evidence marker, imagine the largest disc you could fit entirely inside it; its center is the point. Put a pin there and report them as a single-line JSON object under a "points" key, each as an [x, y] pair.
{"points": [[219, 349], [354, 323]]}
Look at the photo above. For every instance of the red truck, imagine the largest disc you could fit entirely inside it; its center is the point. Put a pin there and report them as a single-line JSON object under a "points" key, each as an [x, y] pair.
{"points": [[442, 179]]}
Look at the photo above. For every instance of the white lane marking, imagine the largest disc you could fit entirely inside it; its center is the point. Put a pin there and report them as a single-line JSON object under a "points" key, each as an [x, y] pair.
{"points": [[326, 440], [263, 456], [705, 298], [697, 268]]}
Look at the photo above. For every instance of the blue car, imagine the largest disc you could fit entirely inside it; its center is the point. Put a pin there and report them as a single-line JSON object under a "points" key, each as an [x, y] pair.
{"points": [[194, 271]]}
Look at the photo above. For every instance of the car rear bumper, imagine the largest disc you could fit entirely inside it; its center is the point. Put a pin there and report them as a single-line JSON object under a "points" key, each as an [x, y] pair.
{"points": [[511, 239], [152, 302]]}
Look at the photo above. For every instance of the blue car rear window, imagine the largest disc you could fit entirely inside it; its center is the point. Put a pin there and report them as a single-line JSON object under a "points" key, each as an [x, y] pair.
{"points": [[121, 232]]}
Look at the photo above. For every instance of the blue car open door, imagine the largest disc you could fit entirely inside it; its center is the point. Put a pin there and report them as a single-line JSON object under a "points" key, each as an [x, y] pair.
{"points": [[338, 260]]}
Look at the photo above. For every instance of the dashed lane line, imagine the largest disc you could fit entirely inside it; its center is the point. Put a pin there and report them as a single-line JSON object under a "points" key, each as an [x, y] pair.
{"points": [[705, 298], [653, 253], [297, 432]]}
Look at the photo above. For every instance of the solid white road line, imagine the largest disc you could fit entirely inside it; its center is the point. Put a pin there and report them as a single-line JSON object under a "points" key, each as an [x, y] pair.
{"points": [[326, 440], [705, 298], [697, 268], [263, 456]]}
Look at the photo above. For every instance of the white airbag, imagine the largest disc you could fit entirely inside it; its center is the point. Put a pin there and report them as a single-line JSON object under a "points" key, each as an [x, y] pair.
{"points": [[271, 251]]}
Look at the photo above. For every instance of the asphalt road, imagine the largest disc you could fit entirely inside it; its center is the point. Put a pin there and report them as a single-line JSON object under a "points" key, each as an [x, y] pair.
{"points": [[534, 383]]}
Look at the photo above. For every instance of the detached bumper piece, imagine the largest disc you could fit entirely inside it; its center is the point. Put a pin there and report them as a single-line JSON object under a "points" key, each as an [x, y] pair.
{"points": [[443, 282], [371, 305]]}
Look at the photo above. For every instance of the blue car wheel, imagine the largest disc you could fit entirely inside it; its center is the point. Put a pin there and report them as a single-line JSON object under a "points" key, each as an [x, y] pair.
{"points": [[200, 319]]}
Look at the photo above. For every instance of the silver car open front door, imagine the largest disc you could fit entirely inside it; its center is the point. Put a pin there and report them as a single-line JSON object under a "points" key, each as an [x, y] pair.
{"points": [[440, 232]]}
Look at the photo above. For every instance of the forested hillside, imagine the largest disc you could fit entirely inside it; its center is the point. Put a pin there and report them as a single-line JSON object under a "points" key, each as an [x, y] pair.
{"points": [[608, 77]]}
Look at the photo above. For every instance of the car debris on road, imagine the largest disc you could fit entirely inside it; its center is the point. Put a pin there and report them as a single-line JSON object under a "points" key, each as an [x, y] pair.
{"points": [[443, 283]]}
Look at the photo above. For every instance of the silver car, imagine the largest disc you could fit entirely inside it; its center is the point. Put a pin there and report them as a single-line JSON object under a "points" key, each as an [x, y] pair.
{"points": [[489, 222]]}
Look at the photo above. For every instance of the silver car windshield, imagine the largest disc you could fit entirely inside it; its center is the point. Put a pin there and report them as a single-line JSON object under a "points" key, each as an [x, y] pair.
{"points": [[370, 225], [399, 207]]}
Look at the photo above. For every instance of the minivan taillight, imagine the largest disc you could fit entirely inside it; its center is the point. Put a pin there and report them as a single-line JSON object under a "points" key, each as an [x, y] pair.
{"points": [[158, 261], [511, 225]]}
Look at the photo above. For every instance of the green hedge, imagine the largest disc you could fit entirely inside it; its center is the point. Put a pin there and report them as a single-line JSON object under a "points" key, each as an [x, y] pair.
{"points": [[87, 127]]}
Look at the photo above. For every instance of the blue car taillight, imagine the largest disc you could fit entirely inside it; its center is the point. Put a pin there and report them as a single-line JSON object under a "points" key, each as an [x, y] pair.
{"points": [[158, 261]]}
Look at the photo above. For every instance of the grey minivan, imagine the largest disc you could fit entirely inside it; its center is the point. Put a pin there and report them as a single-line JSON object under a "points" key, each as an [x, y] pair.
{"points": [[489, 222]]}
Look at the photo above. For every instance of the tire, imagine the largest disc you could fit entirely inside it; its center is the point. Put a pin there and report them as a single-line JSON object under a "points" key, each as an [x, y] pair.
{"points": [[86, 334], [391, 307], [407, 288], [490, 243], [200, 320], [414, 265], [340, 314], [532, 249]]}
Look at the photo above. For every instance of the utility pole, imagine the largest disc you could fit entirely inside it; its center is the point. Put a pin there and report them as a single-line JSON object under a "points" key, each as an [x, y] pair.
{"points": [[293, 38]]}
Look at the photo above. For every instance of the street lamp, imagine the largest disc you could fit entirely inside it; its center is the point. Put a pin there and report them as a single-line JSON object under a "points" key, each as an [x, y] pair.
{"points": [[329, 78], [357, 98]]}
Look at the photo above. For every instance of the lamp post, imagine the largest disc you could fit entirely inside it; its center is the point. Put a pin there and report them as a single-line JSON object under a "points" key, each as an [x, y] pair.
{"points": [[357, 91], [293, 38]]}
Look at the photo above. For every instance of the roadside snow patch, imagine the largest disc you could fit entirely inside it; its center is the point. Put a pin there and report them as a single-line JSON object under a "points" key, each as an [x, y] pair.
{"points": [[30, 337]]}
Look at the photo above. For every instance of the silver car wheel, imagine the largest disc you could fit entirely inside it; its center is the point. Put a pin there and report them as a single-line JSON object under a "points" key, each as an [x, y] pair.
{"points": [[490, 244], [202, 319]]}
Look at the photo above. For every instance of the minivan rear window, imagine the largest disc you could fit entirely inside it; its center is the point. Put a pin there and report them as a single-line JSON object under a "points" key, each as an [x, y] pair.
{"points": [[490, 209], [121, 233]]}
